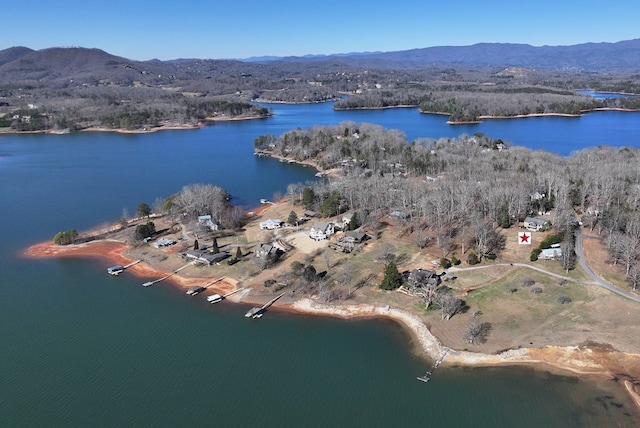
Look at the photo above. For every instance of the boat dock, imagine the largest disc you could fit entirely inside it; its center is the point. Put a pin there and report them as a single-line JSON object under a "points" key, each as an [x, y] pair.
{"points": [[215, 298], [258, 312], [427, 376], [193, 291], [117, 269], [150, 283]]}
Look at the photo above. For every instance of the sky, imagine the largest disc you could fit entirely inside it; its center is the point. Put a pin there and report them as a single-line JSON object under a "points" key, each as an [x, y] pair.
{"points": [[215, 29]]}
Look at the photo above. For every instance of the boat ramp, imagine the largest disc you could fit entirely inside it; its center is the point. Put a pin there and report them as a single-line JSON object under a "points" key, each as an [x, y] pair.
{"points": [[257, 312]]}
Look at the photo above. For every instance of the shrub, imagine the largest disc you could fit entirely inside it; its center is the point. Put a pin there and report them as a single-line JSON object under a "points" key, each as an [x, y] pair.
{"points": [[563, 299], [534, 254], [528, 282], [512, 289], [445, 263], [269, 282], [472, 258], [536, 290]]}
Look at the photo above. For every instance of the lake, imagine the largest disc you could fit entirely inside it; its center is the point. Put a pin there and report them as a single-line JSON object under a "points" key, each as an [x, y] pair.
{"points": [[82, 348]]}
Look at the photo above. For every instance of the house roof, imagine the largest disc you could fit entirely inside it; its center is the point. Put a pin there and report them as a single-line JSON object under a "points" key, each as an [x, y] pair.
{"points": [[206, 256], [321, 225], [534, 220]]}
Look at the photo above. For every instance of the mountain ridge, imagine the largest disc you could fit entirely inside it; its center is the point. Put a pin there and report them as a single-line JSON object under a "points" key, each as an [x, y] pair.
{"points": [[597, 56]]}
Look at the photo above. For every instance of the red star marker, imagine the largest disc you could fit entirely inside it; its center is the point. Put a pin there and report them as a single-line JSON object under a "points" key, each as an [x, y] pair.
{"points": [[524, 238]]}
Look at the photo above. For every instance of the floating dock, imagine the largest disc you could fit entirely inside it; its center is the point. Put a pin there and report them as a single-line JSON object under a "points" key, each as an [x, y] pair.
{"points": [[193, 291], [258, 312], [427, 376], [116, 270]]}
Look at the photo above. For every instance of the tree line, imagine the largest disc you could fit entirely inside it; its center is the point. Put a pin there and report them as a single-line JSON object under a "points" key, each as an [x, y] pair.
{"points": [[458, 194]]}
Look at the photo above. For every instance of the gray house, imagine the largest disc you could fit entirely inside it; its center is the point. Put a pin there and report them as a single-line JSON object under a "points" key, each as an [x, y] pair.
{"points": [[534, 223], [205, 256]]}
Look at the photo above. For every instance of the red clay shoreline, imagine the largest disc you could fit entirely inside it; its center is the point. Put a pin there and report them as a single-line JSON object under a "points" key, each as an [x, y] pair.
{"points": [[550, 358]]}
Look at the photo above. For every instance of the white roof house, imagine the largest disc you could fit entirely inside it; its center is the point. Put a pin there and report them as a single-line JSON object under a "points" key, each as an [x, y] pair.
{"points": [[550, 254], [321, 230], [271, 224], [207, 221]]}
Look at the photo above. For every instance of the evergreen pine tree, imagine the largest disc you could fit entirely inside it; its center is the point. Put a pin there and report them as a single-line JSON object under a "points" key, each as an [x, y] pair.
{"points": [[392, 278]]}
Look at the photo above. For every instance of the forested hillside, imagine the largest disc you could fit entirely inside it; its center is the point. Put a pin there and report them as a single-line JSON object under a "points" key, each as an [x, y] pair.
{"points": [[70, 89], [459, 193]]}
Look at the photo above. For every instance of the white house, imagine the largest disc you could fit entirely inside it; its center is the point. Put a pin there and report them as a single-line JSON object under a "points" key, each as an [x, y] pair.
{"points": [[321, 230], [163, 242], [550, 254], [207, 221], [346, 219], [271, 224]]}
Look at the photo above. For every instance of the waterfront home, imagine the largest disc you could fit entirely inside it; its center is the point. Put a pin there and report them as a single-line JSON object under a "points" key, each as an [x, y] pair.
{"points": [[164, 242], [271, 224], [205, 256], [535, 224], [321, 230], [349, 241], [424, 278], [207, 221], [346, 220]]}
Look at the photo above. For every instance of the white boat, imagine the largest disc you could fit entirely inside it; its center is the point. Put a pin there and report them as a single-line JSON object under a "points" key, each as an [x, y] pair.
{"points": [[214, 298]]}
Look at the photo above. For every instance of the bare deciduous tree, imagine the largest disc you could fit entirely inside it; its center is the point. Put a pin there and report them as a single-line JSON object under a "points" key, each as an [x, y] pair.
{"points": [[477, 331]]}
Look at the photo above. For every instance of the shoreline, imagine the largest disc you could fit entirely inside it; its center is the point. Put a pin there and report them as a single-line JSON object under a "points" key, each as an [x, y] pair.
{"points": [[144, 130], [597, 361]]}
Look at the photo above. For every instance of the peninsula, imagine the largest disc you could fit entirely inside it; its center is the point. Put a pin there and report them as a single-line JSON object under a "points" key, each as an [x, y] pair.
{"points": [[508, 266]]}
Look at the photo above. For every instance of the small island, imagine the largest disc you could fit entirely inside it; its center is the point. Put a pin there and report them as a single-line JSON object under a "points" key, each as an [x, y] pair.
{"points": [[489, 254]]}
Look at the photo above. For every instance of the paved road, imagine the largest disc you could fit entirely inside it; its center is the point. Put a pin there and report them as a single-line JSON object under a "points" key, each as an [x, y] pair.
{"points": [[581, 261]]}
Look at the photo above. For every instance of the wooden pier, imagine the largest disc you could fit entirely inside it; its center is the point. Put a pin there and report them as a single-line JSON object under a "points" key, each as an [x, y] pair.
{"points": [[258, 312], [215, 298], [193, 291], [427, 376], [150, 283]]}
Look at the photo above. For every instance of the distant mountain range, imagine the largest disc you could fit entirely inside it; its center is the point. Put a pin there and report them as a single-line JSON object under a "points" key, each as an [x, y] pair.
{"points": [[624, 55], [22, 63]]}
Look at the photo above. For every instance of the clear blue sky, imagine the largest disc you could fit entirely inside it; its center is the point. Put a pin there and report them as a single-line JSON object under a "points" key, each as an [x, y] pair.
{"points": [[144, 29]]}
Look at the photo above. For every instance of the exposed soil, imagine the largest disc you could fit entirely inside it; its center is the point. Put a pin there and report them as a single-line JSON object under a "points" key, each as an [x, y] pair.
{"points": [[599, 335]]}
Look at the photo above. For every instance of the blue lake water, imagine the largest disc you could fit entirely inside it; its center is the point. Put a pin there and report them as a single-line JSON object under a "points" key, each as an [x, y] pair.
{"points": [[80, 348]]}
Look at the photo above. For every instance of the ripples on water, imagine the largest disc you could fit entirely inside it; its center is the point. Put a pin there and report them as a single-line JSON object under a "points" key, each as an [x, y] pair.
{"points": [[81, 348]]}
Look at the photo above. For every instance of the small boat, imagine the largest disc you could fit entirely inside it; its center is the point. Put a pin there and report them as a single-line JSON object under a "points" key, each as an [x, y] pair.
{"points": [[264, 201]]}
